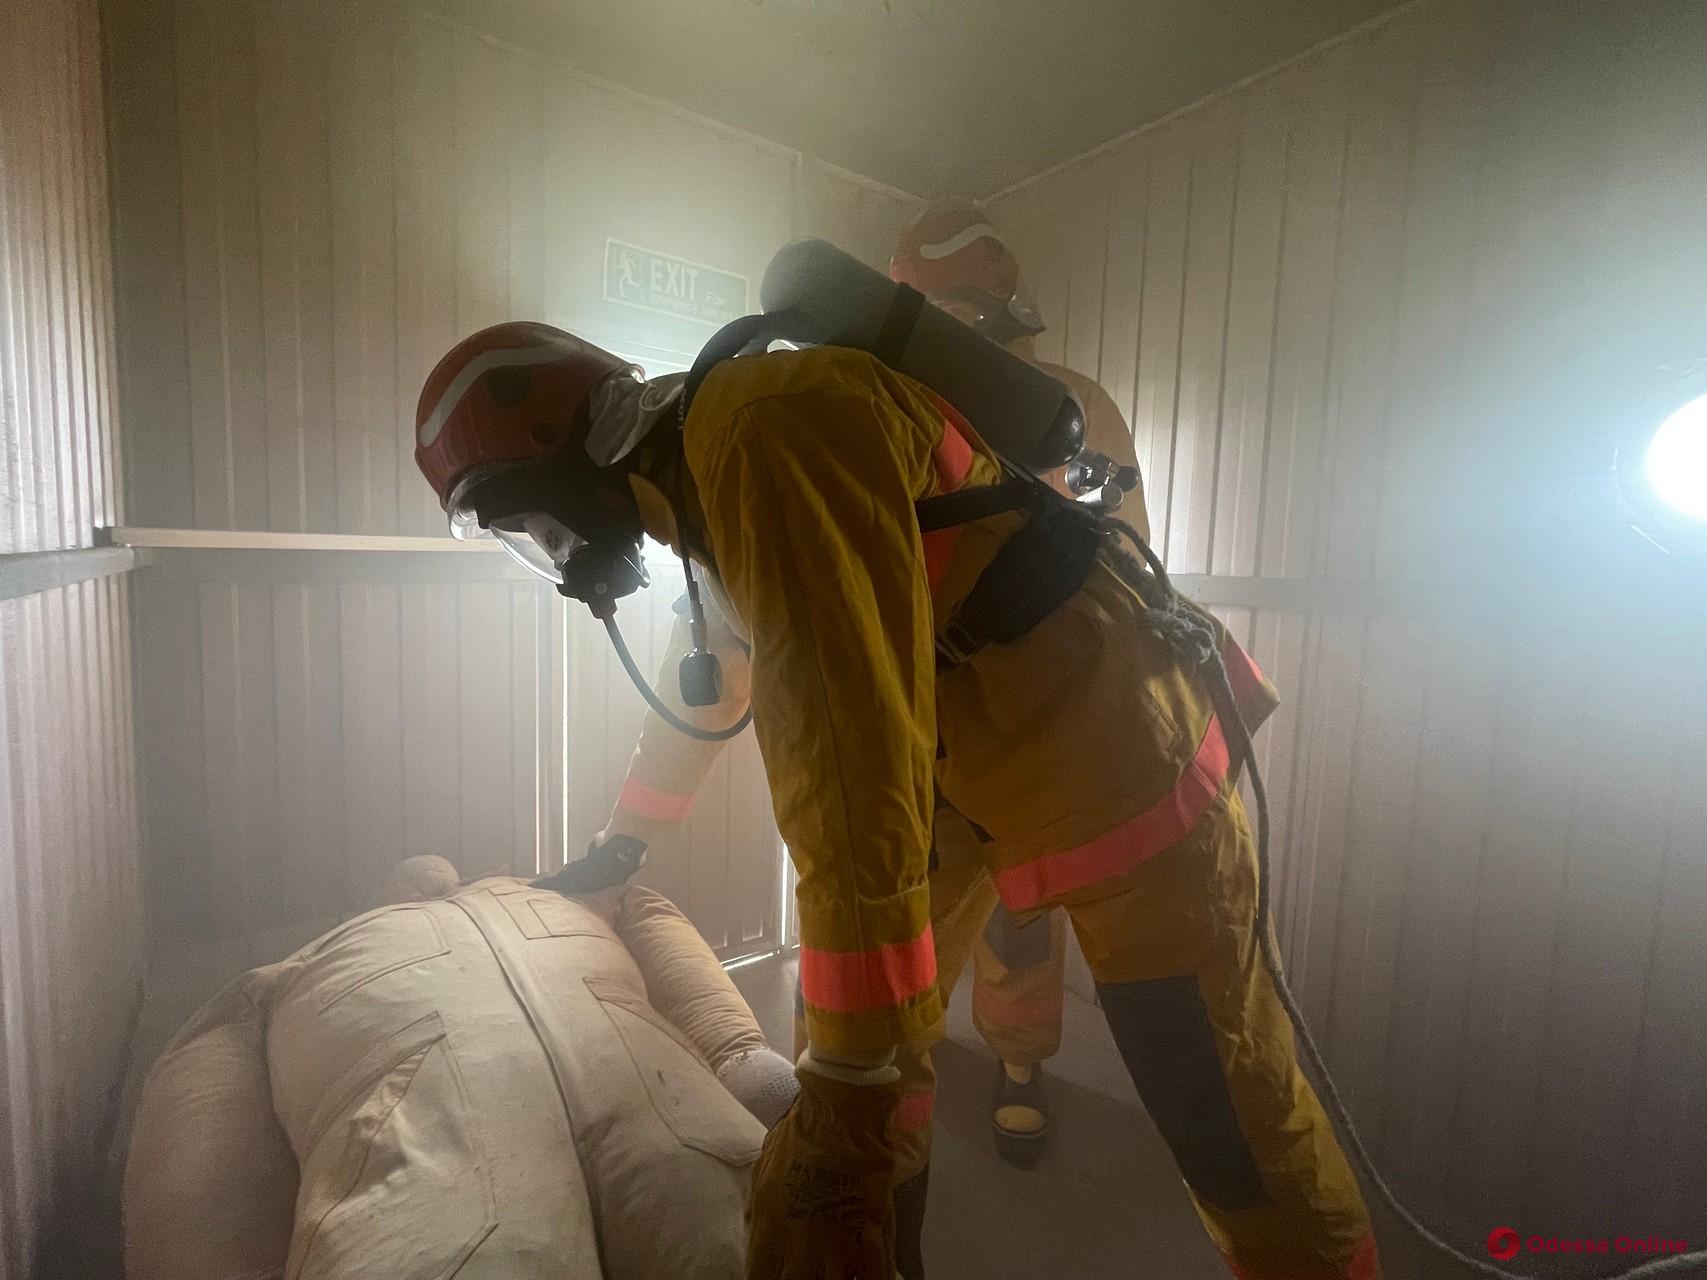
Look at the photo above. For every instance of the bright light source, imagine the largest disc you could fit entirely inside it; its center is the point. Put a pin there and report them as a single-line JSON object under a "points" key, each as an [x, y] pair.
{"points": [[1676, 464]]}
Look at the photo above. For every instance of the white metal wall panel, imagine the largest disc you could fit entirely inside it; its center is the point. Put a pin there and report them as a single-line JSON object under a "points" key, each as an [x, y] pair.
{"points": [[314, 201], [309, 726], [71, 937], [56, 439], [1379, 319]]}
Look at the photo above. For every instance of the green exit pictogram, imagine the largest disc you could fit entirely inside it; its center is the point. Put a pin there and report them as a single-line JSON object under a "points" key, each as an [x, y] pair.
{"points": [[672, 286]]}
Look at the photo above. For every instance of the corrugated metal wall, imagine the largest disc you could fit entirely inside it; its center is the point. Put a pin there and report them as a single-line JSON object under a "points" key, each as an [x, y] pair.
{"points": [[314, 201], [1381, 320], [71, 941]]}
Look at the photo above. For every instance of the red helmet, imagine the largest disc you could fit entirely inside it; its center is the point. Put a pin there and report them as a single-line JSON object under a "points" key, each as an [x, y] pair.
{"points": [[508, 394], [952, 244], [952, 255]]}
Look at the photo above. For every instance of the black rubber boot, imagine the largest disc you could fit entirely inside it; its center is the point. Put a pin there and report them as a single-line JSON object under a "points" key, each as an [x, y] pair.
{"points": [[1022, 1148], [910, 1225]]}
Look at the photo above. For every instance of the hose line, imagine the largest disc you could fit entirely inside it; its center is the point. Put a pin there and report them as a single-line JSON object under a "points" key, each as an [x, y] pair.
{"points": [[1186, 630], [657, 704]]}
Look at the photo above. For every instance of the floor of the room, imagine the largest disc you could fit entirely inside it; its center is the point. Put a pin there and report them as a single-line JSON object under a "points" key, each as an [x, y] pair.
{"points": [[1103, 1202]]}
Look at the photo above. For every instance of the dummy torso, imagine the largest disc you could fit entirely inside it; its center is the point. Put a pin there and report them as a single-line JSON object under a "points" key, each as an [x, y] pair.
{"points": [[482, 1084]]}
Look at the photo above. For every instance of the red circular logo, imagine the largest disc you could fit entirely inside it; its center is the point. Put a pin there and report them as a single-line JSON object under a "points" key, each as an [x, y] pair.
{"points": [[1502, 1243]]}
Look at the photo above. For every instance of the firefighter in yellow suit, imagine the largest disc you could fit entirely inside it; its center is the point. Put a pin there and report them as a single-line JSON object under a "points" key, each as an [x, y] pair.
{"points": [[952, 255], [791, 478]]}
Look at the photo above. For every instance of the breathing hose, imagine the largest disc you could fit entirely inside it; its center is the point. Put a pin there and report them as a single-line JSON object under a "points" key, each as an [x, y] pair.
{"points": [[1193, 639], [657, 704]]}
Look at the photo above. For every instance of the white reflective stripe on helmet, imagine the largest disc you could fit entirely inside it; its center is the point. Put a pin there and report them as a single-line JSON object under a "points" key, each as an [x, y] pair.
{"points": [[465, 378], [955, 243]]}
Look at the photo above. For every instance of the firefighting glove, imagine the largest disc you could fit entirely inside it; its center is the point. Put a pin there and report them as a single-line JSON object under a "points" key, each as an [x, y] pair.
{"points": [[610, 861], [822, 1205]]}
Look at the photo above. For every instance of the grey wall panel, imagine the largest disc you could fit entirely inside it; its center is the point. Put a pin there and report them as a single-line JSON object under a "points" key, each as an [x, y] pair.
{"points": [[304, 733], [72, 943], [329, 730], [56, 423], [1380, 321], [71, 924]]}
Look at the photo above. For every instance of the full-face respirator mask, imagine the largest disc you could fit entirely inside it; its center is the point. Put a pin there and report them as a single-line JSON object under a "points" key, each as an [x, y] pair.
{"points": [[569, 519], [528, 508]]}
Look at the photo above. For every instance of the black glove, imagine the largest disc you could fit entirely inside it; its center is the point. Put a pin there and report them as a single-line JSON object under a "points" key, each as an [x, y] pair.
{"points": [[608, 862]]}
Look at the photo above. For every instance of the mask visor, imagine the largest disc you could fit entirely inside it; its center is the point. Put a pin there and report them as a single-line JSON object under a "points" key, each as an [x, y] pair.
{"points": [[539, 542], [541, 545]]}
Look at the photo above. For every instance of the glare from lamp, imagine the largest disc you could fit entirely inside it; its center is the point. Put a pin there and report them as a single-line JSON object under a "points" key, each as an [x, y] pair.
{"points": [[1676, 464]]}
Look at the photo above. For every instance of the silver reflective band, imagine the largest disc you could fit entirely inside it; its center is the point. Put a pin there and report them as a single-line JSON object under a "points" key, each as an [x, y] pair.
{"points": [[466, 376], [955, 243]]}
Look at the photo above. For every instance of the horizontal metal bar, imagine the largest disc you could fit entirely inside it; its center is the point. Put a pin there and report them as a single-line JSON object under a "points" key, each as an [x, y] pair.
{"points": [[759, 957], [227, 564], [258, 555], [268, 540], [23, 573], [1291, 595], [1469, 599]]}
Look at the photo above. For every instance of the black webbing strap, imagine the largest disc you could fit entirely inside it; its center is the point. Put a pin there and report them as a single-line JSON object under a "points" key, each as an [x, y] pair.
{"points": [[1042, 564], [965, 505], [897, 327], [746, 336]]}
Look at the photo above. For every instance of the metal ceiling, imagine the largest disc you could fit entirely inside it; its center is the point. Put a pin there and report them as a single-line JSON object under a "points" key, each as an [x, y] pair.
{"points": [[935, 97]]}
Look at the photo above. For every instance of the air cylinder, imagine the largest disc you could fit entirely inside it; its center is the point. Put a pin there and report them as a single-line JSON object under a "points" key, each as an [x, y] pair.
{"points": [[1028, 417]]}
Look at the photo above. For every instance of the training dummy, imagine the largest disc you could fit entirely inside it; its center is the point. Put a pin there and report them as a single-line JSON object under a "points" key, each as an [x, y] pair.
{"points": [[499, 1082]]}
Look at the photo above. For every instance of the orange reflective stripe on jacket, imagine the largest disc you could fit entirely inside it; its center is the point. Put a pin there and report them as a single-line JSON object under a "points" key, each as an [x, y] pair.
{"points": [[1137, 840], [860, 981], [953, 459]]}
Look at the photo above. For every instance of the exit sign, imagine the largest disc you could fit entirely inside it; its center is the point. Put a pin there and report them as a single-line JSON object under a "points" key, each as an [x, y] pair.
{"points": [[672, 286]]}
